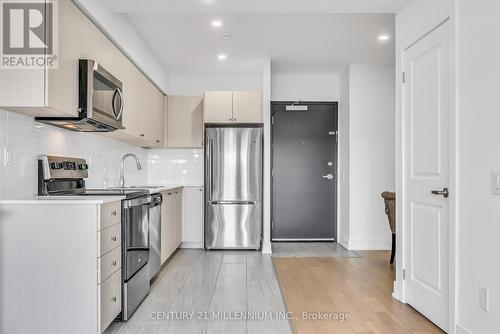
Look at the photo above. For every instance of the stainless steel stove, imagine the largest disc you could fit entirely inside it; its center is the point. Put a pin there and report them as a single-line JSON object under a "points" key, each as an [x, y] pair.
{"points": [[64, 176]]}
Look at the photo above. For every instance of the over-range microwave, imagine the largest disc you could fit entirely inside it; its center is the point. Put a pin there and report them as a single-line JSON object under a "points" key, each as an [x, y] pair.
{"points": [[100, 101]]}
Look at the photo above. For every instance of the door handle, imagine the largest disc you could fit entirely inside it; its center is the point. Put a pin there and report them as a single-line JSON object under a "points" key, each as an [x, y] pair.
{"points": [[328, 176], [445, 193]]}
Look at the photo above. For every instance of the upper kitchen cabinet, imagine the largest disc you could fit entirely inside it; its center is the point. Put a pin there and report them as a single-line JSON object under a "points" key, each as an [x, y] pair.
{"points": [[233, 107], [247, 107], [185, 121], [47, 92], [218, 107]]}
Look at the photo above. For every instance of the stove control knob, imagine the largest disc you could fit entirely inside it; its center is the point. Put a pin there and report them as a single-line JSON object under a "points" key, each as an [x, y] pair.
{"points": [[56, 165], [83, 166]]}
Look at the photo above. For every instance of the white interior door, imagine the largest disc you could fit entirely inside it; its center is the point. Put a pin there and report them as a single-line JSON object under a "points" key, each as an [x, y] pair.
{"points": [[427, 168]]}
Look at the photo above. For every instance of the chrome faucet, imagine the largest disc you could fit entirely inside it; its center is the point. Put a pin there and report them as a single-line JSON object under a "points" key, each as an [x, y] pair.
{"points": [[139, 167]]}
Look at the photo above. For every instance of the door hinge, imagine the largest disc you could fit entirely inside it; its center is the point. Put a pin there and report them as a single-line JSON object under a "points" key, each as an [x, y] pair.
{"points": [[404, 273], [404, 77]]}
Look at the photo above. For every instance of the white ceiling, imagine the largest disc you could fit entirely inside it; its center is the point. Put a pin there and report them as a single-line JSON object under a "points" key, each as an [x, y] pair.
{"points": [[257, 6], [298, 35]]}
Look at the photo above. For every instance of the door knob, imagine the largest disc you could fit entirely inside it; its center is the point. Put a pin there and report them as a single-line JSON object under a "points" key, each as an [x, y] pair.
{"points": [[328, 176], [445, 193]]}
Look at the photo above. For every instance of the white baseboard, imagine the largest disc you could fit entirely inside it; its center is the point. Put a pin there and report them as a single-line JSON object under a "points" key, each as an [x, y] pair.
{"points": [[266, 248], [396, 293], [373, 244], [192, 245], [461, 330]]}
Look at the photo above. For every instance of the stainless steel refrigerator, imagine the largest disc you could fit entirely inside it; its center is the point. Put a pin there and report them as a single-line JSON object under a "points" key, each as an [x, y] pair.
{"points": [[233, 187]]}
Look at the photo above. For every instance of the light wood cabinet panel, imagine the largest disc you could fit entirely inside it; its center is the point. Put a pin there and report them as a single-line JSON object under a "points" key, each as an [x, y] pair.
{"points": [[247, 107], [178, 217], [62, 83], [168, 225], [44, 91], [185, 121], [109, 264], [111, 299], [218, 107], [192, 217]]}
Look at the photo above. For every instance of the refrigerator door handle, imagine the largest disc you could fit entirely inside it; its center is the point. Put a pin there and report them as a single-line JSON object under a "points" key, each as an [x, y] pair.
{"points": [[210, 168], [232, 202]]}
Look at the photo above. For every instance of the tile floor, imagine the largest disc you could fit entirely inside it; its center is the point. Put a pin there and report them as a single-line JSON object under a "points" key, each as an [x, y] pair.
{"points": [[310, 249], [208, 283]]}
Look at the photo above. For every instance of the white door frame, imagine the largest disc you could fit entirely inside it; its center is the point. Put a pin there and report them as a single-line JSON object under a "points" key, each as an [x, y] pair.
{"points": [[399, 289]]}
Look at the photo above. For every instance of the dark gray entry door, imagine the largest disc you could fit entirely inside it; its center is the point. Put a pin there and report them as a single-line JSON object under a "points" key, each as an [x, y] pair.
{"points": [[304, 144]]}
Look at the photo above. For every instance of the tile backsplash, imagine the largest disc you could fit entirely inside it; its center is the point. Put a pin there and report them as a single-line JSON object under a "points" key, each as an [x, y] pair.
{"points": [[175, 166], [22, 140]]}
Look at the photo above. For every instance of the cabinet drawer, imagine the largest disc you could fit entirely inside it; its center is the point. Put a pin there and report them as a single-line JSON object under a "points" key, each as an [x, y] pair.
{"points": [[111, 214], [111, 299], [109, 238], [109, 263]]}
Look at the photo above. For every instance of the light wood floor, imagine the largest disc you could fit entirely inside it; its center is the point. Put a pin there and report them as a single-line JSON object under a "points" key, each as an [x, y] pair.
{"points": [[360, 287]]}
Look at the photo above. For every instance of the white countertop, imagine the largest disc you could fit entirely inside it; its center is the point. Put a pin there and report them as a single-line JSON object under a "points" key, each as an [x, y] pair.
{"points": [[52, 200]]}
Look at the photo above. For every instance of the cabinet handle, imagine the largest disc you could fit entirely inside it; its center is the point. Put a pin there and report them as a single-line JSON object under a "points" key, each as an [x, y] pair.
{"points": [[142, 135], [157, 140], [113, 213], [113, 299], [113, 263], [113, 239]]}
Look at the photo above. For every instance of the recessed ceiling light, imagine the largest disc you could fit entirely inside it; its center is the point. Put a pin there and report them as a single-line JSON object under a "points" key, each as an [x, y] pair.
{"points": [[383, 37], [222, 56], [226, 36], [216, 23]]}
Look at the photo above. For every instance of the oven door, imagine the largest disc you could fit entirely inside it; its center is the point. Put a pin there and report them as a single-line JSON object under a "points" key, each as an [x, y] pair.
{"points": [[135, 235]]}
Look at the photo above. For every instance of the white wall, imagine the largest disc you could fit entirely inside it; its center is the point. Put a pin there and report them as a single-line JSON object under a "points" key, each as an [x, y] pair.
{"points": [[175, 167], [21, 141], [343, 172], [197, 84], [478, 54], [123, 33], [372, 154], [306, 86]]}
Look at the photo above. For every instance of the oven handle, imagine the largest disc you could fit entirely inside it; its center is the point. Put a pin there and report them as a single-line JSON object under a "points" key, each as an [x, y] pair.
{"points": [[130, 203]]}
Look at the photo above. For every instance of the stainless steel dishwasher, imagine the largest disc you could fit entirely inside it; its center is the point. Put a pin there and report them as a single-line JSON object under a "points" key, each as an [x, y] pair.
{"points": [[155, 235]]}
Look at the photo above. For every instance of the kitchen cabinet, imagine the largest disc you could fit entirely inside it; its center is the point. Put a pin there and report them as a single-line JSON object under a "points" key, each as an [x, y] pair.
{"points": [[218, 107], [167, 225], [47, 92], [192, 217], [54, 92], [247, 107], [178, 217], [77, 280], [233, 107], [185, 121]]}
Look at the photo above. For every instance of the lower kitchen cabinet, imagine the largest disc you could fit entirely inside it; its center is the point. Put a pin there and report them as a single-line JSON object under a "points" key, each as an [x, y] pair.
{"points": [[76, 285], [181, 220]]}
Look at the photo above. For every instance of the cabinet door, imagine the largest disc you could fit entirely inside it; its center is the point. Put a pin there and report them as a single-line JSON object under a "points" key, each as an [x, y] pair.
{"points": [[192, 216], [178, 217], [155, 117], [185, 121], [218, 107], [62, 83], [170, 208], [164, 228], [247, 107]]}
